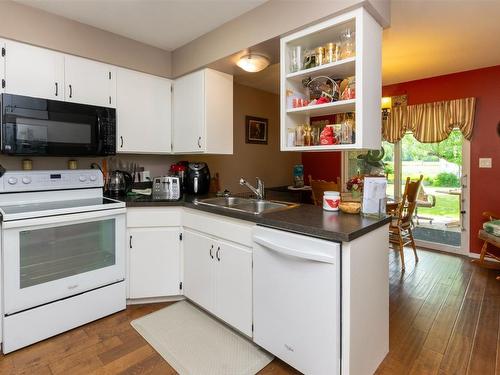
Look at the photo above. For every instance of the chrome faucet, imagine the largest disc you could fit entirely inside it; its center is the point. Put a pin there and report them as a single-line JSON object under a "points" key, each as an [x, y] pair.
{"points": [[258, 191]]}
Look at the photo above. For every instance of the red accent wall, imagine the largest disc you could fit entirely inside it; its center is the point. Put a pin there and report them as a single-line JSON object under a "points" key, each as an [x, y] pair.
{"points": [[322, 165], [484, 84]]}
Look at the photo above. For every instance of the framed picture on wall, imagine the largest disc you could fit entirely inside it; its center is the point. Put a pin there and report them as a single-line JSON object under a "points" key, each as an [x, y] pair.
{"points": [[256, 130]]}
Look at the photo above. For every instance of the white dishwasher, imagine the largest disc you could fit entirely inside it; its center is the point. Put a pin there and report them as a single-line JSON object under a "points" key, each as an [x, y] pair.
{"points": [[296, 286]]}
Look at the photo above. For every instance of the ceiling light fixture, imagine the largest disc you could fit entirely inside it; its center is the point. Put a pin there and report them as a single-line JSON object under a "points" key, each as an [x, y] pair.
{"points": [[253, 62]]}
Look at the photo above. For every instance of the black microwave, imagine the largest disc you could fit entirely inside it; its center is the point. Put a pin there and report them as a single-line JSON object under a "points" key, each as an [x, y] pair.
{"points": [[42, 127]]}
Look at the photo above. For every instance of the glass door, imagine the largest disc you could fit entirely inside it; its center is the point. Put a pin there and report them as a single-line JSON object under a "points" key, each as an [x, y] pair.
{"points": [[72, 254], [440, 217]]}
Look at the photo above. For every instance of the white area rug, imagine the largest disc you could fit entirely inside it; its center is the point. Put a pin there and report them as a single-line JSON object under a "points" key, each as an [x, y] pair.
{"points": [[194, 343]]}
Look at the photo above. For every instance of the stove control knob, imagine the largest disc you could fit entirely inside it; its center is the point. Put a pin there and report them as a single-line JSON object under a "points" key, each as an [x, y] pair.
{"points": [[26, 180], [82, 178], [93, 178], [12, 180]]}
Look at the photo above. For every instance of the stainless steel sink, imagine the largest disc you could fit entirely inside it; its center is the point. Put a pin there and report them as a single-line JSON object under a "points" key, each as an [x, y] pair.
{"points": [[247, 205]]}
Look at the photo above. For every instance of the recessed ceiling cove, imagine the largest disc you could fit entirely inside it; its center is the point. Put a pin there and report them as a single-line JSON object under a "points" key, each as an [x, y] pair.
{"points": [[166, 24]]}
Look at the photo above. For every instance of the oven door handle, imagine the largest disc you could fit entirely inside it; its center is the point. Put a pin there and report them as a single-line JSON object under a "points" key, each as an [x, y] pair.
{"points": [[66, 219]]}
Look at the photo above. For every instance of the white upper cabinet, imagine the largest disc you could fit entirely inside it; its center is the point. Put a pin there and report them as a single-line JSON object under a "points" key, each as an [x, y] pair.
{"points": [[346, 72], [42, 73], [143, 113], [2, 65], [203, 113], [33, 71], [90, 82]]}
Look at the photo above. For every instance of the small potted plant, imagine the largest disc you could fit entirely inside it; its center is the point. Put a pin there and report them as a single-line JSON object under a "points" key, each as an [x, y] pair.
{"points": [[355, 186]]}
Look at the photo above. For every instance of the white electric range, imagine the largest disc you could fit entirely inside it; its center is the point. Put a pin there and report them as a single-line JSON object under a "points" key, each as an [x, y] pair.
{"points": [[63, 251]]}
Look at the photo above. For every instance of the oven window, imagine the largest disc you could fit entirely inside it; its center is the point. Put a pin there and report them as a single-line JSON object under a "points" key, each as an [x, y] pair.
{"points": [[55, 253]]}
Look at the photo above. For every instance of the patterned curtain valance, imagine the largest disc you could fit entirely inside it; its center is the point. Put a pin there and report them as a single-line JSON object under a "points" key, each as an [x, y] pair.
{"points": [[430, 122]]}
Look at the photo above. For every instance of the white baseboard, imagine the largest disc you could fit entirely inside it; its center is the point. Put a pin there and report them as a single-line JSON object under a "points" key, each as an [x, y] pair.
{"points": [[476, 256], [141, 301]]}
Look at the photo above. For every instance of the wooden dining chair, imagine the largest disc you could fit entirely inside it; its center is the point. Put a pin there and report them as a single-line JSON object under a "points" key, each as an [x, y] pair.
{"points": [[400, 229], [318, 188], [489, 241]]}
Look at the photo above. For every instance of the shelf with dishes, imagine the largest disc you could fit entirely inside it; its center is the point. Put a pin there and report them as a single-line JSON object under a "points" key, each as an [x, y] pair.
{"points": [[324, 72], [321, 95], [322, 132], [343, 68], [326, 108]]}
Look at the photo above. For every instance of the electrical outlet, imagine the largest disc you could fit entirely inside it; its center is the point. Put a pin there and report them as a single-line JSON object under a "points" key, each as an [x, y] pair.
{"points": [[485, 163]]}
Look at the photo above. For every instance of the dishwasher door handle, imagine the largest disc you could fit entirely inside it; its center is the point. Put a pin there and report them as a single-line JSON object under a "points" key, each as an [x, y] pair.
{"points": [[323, 258]]}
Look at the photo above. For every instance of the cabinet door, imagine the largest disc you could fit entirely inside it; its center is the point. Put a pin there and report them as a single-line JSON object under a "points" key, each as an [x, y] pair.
{"points": [[189, 113], [154, 262], [2, 66], [233, 286], [143, 113], [199, 255], [33, 71], [219, 112], [90, 82]]}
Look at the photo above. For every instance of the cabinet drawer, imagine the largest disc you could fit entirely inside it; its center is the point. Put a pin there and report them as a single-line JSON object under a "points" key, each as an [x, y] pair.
{"points": [[140, 217], [230, 229]]}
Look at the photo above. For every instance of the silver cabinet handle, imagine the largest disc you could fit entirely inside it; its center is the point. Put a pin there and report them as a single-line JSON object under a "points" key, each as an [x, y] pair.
{"points": [[70, 91], [211, 255], [199, 142], [57, 89], [217, 253]]}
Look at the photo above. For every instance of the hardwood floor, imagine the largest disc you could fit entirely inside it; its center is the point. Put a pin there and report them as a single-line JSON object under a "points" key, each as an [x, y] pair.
{"points": [[444, 319]]}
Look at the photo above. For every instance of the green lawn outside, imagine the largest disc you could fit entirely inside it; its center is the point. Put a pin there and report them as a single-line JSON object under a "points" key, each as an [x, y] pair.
{"points": [[447, 205]]}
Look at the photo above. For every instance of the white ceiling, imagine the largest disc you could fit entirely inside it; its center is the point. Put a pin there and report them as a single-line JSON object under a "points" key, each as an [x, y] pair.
{"points": [[430, 38], [427, 37], [166, 24]]}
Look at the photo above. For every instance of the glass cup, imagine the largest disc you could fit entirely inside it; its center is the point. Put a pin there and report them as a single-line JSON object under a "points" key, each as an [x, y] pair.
{"points": [[295, 59]]}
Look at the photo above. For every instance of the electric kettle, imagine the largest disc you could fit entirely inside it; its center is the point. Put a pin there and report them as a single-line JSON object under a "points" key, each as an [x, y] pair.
{"points": [[119, 183]]}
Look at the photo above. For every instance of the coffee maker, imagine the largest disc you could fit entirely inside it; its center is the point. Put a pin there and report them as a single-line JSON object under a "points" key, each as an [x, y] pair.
{"points": [[198, 178]]}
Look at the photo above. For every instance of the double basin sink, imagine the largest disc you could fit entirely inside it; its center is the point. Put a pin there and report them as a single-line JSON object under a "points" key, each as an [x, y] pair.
{"points": [[247, 205]]}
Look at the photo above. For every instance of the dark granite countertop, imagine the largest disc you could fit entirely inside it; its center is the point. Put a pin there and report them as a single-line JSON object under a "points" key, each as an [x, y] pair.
{"points": [[304, 219]]}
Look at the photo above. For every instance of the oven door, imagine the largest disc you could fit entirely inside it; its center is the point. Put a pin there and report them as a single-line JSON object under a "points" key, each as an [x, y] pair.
{"points": [[51, 258]]}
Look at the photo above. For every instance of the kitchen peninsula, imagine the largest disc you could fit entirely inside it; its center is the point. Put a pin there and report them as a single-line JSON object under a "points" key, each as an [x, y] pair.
{"points": [[211, 234]]}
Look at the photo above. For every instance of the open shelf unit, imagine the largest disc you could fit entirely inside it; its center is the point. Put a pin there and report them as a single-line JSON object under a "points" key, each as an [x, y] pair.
{"points": [[365, 66]]}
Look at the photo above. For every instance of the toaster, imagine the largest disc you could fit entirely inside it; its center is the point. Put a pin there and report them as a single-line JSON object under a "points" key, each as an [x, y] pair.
{"points": [[166, 188]]}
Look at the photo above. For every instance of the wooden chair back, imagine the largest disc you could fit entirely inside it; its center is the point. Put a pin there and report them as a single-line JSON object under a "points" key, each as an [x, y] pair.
{"points": [[409, 202], [489, 215], [318, 188]]}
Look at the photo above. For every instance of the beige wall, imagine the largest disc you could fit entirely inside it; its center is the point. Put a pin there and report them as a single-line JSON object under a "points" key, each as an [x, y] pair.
{"points": [[33, 26], [252, 160], [156, 164], [248, 161], [271, 19]]}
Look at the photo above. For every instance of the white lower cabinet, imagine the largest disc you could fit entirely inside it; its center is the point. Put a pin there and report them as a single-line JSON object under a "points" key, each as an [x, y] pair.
{"points": [[233, 281], [198, 268], [218, 277], [154, 268]]}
